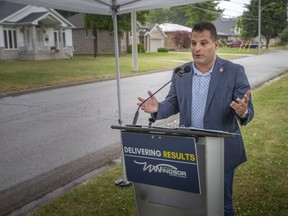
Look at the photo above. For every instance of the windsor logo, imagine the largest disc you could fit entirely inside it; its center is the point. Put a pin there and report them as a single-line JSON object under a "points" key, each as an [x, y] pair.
{"points": [[161, 160], [163, 169]]}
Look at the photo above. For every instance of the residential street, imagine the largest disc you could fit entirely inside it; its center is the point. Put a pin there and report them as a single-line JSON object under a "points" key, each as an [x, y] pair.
{"points": [[51, 137]]}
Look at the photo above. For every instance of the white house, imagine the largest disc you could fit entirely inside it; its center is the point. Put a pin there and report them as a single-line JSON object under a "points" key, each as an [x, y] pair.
{"points": [[33, 33]]}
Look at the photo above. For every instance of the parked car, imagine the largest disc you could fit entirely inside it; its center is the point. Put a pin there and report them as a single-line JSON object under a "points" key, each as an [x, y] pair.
{"points": [[237, 43], [253, 45]]}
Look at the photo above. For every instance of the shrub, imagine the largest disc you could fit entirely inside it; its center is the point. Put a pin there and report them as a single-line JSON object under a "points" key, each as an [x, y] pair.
{"points": [[140, 49], [162, 49], [182, 39], [284, 36]]}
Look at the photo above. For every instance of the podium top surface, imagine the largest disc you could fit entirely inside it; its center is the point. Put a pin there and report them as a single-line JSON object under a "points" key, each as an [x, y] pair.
{"points": [[180, 131]]}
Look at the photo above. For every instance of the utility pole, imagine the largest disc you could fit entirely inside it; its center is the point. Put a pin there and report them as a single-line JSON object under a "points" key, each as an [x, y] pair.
{"points": [[259, 26], [259, 21], [134, 41]]}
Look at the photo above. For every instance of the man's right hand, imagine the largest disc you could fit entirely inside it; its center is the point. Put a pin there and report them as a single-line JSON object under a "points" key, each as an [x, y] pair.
{"points": [[151, 105]]}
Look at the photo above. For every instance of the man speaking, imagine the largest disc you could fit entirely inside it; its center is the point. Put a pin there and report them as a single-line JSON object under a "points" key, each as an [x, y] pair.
{"points": [[216, 95]]}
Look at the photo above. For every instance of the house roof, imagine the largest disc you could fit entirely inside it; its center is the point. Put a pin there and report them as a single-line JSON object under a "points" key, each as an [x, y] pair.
{"points": [[14, 13], [31, 17], [225, 25], [148, 29], [8, 8], [77, 20], [171, 27]]}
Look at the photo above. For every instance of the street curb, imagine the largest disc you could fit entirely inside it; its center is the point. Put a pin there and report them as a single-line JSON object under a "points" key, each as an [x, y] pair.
{"points": [[47, 88]]}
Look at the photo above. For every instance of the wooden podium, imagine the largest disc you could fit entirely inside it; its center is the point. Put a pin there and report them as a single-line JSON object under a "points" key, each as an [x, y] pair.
{"points": [[175, 172]]}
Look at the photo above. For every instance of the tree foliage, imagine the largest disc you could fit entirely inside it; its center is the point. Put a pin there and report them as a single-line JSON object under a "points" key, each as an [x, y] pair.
{"points": [[105, 22], [162, 15], [284, 36], [202, 12], [273, 19], [182, 38], [186, 15]]}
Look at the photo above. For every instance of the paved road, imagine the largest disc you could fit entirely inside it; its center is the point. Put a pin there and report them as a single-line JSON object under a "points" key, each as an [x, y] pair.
{"points": [[51, 137]]}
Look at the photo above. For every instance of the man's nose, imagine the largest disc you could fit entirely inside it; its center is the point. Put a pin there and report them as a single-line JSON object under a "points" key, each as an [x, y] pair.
{"points": [[197, 47]]}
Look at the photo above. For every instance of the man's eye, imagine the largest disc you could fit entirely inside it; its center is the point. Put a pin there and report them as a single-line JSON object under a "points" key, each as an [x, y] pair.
{"points": [[193, 43], [204, 43]]}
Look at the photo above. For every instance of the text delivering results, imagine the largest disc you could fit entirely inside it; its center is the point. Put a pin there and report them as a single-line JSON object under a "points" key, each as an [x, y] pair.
{"points": [[160, 154]]}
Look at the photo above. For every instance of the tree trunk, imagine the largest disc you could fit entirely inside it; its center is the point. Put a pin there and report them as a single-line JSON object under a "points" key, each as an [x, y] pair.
{"points": [[267, 41], [95, 45]]}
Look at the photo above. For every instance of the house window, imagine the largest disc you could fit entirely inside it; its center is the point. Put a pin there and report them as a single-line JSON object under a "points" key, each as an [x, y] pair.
{"points": [[10, 39], [56, 45], [64, 39], [86, 33]]}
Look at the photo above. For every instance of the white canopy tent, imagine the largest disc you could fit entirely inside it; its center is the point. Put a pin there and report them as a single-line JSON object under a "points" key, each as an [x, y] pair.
{"points": [[106, 7], [113, 8]]}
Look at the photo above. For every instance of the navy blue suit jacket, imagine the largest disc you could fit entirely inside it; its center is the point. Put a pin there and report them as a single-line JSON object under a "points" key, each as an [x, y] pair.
{"points": [[228, 82]]}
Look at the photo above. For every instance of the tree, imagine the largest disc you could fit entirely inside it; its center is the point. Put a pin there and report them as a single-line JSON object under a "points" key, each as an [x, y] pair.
{"points": [[97, 22], [162, 15], [284, 36], [105, 23], [182, 39], [273, 19], [202, 12], [186, 15], [178, 15]]}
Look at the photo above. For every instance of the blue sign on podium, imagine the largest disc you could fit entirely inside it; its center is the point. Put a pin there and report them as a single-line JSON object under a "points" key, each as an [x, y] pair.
{"points": [[162, 160]]}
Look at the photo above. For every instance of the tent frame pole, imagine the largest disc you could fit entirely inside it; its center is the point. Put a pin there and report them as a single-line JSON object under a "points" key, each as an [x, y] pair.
{"points": [[114, 8]]}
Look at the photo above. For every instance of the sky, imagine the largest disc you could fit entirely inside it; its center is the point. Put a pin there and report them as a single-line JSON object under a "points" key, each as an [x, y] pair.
{"points": [[233, 8]]}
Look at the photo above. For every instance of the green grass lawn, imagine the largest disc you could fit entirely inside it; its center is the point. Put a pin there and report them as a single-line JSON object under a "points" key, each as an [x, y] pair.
{"points": [[23, 75], [261, 184]]}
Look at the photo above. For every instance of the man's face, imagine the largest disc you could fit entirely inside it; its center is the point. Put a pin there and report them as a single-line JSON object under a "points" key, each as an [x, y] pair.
{"points": [[203, 48]]}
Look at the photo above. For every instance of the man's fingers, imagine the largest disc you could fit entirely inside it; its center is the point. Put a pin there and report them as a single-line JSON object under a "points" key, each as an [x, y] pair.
{"points": [[140, 99], [150, 94], [234, 105], [244, 101], [248, 93], [240, 105]]}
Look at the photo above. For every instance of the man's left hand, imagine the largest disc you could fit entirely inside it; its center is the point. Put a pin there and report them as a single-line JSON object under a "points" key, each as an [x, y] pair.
{"points": [[240, 105]]}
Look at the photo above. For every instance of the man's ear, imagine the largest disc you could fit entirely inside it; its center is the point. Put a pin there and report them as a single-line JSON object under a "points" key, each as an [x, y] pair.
{"points": [[216, 44]]}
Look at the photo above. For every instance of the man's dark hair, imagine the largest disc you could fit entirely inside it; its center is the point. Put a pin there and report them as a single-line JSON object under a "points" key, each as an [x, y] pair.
{"points": [[202, 26]]}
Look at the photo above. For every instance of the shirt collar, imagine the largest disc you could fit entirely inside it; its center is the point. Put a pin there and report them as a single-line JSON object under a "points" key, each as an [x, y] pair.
{"points": [[196, 71]]}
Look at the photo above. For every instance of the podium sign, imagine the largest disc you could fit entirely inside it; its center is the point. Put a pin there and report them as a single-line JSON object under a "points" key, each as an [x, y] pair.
{"points": [[162, 160], [172, 173]]}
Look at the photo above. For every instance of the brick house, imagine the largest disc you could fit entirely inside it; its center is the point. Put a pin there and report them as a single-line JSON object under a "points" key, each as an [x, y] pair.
{"points": [[84, 42], [170, 29]]}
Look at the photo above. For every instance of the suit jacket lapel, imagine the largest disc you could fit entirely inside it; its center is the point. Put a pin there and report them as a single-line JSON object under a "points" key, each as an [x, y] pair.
{"points": [[217, 74], [188, 91]]}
